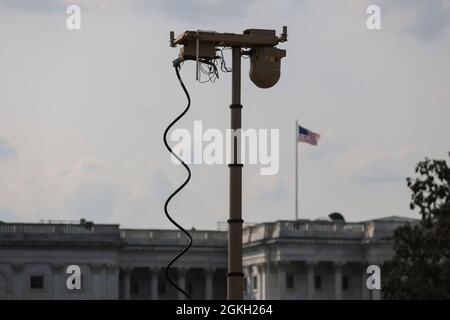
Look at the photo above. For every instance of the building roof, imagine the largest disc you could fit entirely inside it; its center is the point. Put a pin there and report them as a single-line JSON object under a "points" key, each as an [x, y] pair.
{"points": [[394, 219]]}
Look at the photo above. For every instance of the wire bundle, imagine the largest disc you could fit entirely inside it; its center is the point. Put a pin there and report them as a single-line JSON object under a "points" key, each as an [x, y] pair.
{"points": [[211, 67]]}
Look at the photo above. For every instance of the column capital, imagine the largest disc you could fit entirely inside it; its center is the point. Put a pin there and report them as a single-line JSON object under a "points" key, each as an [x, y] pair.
{"points": [[311, 263], [154, 269], [127, 269], [339, 264], [57, 267], [261, 266], [248, 270], [374, 262], [364, 265], [282, 263], [17, 266], [111, 267], [97, 267], [182, 269], [210, 269]]}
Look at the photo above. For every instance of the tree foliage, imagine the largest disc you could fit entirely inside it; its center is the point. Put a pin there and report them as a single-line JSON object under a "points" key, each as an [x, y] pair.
{"points": [[420, 268]]}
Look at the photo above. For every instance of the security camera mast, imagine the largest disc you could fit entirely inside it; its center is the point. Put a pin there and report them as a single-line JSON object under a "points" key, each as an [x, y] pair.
{"points": [[265, 61]]}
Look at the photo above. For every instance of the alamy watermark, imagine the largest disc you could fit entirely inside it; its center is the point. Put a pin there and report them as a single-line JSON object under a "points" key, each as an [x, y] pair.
{"points": [[212, 146], [74, 279], [73, 21], [374, 19], [374, 280]]}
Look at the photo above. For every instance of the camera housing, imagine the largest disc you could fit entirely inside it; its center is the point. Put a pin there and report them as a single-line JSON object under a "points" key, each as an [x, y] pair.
{"points": [[265, 57], [265, 66]]}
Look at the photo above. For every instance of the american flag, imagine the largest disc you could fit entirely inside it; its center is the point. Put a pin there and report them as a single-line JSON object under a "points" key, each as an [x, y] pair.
{"points": [[305, 135]]}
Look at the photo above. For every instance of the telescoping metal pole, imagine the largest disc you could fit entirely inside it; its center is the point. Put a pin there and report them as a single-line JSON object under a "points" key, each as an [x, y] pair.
{"points": [[266, 64], [235, 275]]}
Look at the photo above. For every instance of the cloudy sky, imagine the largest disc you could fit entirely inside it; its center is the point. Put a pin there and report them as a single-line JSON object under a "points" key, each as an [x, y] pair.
{"points": [[82, 113]]}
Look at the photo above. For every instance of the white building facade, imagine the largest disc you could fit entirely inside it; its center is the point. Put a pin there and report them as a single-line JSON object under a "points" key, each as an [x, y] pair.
{"points": [[316, 259], [282, 260]]}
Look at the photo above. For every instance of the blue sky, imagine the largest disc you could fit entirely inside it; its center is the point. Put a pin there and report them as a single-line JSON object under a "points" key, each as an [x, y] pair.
{"points": [[82, 112]]}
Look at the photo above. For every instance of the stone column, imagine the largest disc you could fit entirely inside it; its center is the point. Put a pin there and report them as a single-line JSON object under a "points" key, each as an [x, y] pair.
{"points": [[267, 274], [365, 294], [59, 285], [181, 282], [338, 280], [96, 282], [310, 265], [113, 282], [260, 274], [376, 294], [104, 282], [127, 282], [248, 279], [281, 280], [18, 282], [154, 274], [209, 276]]}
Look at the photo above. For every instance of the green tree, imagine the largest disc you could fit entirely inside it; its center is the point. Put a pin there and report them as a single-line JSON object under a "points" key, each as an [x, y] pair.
{"points": [[420, 268]]}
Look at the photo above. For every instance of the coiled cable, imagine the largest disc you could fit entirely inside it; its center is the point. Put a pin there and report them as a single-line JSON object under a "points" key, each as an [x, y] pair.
{"points": [[176, 65]]}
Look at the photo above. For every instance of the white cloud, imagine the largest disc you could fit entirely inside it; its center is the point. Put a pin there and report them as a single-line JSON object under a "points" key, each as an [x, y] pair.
{"points": [[7, 151], [368, 165]]}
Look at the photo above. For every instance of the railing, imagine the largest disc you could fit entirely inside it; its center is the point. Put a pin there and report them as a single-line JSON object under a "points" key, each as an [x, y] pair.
{"points": [[303, 229], [7, 228], [57, 228], [143, 235], [323, 227]]}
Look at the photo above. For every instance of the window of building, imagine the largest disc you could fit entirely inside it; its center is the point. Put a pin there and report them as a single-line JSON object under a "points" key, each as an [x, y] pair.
{"points": [[345, 283], [135, 287], [255, 283], [37, 282], [318, 282], [161, 288], [289, 281], [189, 287]]}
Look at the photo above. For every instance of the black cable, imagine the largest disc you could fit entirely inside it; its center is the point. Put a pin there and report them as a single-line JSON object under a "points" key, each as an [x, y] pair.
{"points": [[211, 72], [177, 71], [223, 63]]}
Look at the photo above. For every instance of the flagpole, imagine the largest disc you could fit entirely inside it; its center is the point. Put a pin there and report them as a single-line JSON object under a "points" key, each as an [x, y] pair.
{"points": [[296, 169]]}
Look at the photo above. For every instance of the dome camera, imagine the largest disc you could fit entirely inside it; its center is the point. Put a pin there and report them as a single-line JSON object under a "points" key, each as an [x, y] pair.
{"points": [[265, 66]]}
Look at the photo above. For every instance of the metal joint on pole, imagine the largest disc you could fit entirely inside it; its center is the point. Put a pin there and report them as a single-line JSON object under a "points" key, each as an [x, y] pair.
{"points": [[232, 165], [235, 274]]}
